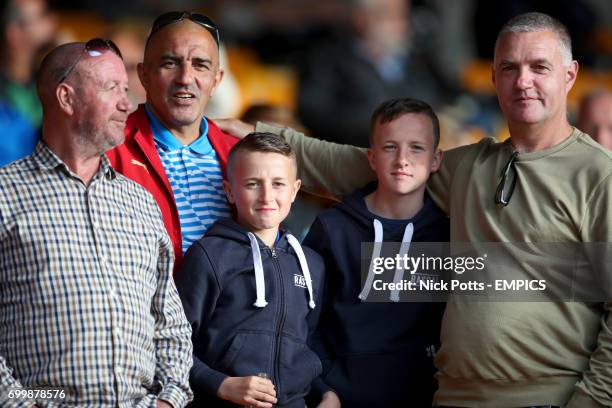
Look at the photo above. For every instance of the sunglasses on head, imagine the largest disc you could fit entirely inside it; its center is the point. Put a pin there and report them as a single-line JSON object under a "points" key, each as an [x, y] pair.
{"points": [[176, 16], [94, 48]]}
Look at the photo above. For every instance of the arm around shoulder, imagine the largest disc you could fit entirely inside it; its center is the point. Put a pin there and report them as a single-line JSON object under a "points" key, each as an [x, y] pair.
{"points": [[325, 168]]}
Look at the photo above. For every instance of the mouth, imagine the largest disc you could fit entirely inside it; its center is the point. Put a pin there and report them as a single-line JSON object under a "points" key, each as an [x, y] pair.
{"points": [[265, 209], [183, 97], [525, 99], [401, 174]]}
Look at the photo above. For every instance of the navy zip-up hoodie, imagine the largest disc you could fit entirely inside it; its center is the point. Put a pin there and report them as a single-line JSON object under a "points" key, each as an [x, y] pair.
{"points": [[238, 330], [374, 354]]}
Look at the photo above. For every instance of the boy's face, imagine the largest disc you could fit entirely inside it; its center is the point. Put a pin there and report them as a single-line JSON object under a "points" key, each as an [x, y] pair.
{"points": [[262, 186], [403, 155]]}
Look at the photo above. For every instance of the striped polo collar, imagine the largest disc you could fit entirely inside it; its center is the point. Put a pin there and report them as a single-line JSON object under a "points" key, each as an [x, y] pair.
{"points": [[169, 142]]}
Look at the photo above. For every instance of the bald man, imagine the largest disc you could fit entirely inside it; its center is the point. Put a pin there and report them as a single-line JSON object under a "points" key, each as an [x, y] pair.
{"points": [[170, 147], [88, 306], [595, 117]]}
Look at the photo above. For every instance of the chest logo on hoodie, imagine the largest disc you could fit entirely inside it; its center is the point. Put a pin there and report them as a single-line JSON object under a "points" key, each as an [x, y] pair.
{"points": [[299, 281]]}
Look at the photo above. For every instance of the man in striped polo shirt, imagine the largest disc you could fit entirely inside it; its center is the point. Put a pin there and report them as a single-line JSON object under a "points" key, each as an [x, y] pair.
{"points": [[170, 147]]}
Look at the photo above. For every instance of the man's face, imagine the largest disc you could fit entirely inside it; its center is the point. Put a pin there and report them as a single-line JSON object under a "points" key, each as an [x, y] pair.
{"points": [[596, 119], [35, 21], [388, 26], [262, 186], [102, 105], [180, 73], [531, 78], [403, 155]]}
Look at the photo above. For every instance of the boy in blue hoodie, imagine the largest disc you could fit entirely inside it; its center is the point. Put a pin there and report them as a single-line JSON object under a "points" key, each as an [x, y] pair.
{"points": [[381, 354], [249, 290]]}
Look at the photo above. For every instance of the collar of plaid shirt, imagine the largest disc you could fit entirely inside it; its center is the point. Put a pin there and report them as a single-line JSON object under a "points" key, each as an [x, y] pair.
{"points": [[45, 159]]}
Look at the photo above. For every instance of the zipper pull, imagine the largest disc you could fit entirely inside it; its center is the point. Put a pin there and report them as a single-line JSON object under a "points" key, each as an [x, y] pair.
{"points": [[273, 252]]}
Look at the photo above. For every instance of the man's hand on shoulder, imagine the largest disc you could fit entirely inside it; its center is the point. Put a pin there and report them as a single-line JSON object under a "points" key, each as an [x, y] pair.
{"points": [[235, 127], [163, 404]]}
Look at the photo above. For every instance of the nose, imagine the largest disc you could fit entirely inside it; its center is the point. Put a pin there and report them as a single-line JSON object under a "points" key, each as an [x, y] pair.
{"points": [[265, 195], [403, 157], [185, 74], [124, 104], [524, 79]]}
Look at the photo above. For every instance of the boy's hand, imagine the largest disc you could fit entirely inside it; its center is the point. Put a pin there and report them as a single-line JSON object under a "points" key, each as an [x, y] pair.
{"points": [[235, 127], [330, 400], [254, 391]]}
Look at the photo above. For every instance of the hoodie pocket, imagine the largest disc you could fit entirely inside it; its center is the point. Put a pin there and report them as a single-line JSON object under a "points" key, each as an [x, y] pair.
{"points": [[298, 367], [248, 354]]}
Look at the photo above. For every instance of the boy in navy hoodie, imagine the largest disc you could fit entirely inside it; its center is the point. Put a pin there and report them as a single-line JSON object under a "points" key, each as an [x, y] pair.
{"points": [[381, 354], [249, 290]]}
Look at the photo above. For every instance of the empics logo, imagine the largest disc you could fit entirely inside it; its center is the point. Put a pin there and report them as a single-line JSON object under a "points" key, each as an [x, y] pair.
{"points": [[299, 281]]}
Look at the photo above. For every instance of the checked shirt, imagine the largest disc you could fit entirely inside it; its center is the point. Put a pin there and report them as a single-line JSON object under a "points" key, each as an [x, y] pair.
{"points": [[87, 300]]}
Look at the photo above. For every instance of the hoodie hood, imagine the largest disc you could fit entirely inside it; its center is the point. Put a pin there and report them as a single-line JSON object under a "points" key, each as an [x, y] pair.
{"points": [[355, 207], [230, 229]]}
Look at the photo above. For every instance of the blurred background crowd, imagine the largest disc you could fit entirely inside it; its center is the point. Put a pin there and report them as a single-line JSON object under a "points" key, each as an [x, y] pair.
{"points": [[320, 67]]}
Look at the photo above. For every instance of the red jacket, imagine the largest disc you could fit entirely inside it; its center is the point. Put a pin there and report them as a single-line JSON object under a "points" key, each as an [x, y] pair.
{"points": [[137, 159]]}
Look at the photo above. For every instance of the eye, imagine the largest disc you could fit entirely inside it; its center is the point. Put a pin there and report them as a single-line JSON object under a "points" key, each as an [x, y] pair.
{"points": [[168, 64], [278, 184], [389, 147], [418, 148], [251, 184], [201, 67], [541, 68], [201, 64]]}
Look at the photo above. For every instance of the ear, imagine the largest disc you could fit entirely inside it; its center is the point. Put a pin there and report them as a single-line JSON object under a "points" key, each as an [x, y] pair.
{"points": [[437, 160], [371, 159], [66, 98], [140, 68], [571, 75], [493, 73], [228, 192], [217, 81], [296, 187]]}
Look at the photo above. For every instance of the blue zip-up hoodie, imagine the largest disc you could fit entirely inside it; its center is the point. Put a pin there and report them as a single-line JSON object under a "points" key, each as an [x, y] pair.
{"points": [[252, 309], [374, 354]]}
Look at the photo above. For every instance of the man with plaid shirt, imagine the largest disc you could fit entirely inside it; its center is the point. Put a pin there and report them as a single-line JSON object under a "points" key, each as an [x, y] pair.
{"points": [[87, 301]]}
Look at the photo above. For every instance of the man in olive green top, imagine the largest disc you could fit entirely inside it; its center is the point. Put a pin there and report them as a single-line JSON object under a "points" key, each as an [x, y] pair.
{"points": [[513, 354]]}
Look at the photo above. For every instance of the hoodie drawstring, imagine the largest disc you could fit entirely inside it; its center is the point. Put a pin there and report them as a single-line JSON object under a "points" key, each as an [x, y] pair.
{"points": [[378, 237], [260, 284], [399, 272], [295, 244]]}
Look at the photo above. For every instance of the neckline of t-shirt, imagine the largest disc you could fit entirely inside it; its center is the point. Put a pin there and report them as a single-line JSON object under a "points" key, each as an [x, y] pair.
{"points": [[529, 156]]}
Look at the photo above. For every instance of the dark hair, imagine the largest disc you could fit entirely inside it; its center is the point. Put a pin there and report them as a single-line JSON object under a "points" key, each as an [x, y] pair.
{"points": [[260, 142], [394, 108]]}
